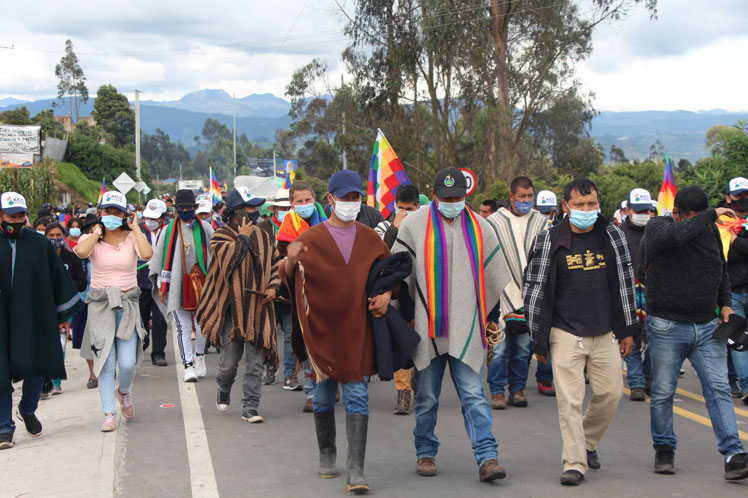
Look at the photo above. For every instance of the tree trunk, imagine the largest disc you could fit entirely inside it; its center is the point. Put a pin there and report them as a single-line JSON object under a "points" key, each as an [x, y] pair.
{"points": [[505, 140]]}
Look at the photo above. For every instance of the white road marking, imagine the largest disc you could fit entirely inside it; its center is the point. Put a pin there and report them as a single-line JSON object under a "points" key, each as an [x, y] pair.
{"points": [[202, 475]]}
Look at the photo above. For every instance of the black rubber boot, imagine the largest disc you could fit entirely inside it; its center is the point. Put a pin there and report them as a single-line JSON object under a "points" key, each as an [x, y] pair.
{"points": [[664, 460], [357, 427], [324, 422]]}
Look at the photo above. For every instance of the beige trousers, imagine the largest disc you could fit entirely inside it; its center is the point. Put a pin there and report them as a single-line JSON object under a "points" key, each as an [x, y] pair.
{"points": [[570, 355]]}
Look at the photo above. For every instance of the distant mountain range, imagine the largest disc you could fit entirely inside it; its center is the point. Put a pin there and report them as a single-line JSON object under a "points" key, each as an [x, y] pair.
{"points": [[260, 115]]}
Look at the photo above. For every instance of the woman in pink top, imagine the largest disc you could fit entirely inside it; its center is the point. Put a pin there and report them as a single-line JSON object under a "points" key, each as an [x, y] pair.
{"points": [[114, 325]]}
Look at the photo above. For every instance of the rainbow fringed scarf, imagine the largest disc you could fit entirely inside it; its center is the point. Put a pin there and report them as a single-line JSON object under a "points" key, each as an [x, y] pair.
{"points": [[437, 270], [294, 225]]}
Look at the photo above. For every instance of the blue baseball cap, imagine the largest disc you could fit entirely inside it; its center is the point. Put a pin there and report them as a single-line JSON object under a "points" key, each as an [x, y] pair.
{"points": [[344, 182]]}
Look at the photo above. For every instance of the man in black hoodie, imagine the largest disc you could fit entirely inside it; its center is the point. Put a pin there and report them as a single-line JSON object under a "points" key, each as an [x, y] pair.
{"points": [[687, 281]]}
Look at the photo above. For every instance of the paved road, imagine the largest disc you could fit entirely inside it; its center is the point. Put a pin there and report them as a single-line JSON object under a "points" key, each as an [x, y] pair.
{"points": [[180, 446]]}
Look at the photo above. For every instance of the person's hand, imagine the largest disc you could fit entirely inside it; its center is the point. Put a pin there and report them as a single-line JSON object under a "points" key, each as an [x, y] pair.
{"points": [[725, 313], [378, 304], [270, 295], [294, 252], [626, 344], [246, 228], [65, 328], [541, 358], [399, 217], [725, 211], [97, 230], [133, 222]]}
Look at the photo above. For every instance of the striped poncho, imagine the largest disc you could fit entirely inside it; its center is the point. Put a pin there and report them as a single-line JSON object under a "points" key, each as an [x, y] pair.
{"points": [[242, 269]]}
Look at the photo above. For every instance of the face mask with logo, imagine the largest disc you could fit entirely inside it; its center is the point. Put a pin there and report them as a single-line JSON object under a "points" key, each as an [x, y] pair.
{"points": [[57, 243], [281, 215], [639, 219], [347, 211], [451, 210], [12, 230], [75, 232], [152, 225], [111, 222], [523, 207], [305, 210], [583, 219]]}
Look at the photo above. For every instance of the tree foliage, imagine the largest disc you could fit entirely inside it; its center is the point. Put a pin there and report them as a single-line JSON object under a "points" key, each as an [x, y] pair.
{"points": [[113, 114], [72, 81]]}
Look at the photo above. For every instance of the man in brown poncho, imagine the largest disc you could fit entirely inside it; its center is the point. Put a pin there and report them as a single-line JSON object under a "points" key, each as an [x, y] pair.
{"points": [[327, 268], [236, 310]]}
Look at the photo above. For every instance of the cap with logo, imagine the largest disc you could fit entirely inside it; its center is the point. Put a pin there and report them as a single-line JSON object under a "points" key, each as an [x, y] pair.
{"points": [[640, 200], [12, 203], [738, 185], [204, 206], [546, 201], [281, 199], [154, 209], [450, 182], [114, 199], [344, 182]]}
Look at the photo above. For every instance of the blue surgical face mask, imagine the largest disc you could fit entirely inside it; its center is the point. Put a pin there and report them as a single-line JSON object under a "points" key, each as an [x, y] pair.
{"points": [[111, 222], [281, 215], [75, 232], [583, 219], [523, 207], [305, 210], [451, 209]]}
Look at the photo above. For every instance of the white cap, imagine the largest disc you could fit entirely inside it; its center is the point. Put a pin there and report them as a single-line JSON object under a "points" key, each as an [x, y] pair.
{"points": [[114, 199], [738, 185], [154, 209], [546, 201], [204, 206], [640, 200], [13, 202], [281, 199]]}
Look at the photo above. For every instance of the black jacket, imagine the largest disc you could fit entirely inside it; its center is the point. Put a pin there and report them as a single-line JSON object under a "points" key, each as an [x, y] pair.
{"points": [[686, 272], [634, 236], [737, 263], [394, 340], [74, 267], [369, 216]]}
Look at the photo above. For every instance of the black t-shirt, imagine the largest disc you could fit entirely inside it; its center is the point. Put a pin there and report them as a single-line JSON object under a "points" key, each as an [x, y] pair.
{"points": [[582, 301]]}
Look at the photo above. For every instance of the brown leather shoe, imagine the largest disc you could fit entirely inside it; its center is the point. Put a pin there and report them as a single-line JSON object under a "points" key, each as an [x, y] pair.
{"points": [[498, 402], [490, 471], [426, 467], [518, 399], [308, 407]]}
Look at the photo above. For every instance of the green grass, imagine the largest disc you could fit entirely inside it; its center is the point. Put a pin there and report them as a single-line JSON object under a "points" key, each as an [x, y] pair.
{"points": [[70, 175]]}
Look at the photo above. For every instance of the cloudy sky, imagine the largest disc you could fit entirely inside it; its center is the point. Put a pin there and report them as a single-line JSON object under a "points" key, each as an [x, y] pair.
{"points": [[692, 57]]}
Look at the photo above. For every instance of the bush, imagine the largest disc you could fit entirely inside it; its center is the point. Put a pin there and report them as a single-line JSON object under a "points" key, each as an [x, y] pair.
{"points": [[99, 161], [73, 177]]}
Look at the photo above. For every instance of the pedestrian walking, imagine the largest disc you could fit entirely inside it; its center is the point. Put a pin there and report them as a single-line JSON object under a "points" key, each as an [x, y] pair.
{"points": [[154, 220]]}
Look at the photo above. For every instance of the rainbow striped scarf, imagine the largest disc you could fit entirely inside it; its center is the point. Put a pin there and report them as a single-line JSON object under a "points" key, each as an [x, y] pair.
{"points": [[437, 270]]}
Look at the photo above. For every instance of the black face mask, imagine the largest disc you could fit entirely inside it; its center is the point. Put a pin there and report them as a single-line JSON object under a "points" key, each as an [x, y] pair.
{"points": [[12, 230], [254, 216]]}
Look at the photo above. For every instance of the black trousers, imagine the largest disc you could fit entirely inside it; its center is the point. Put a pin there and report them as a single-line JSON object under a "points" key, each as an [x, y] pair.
{"points": [[154, 323]]}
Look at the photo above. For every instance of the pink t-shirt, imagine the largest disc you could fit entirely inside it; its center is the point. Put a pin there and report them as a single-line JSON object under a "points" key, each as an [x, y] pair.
{"points": [[344, 238], [114, 266]]}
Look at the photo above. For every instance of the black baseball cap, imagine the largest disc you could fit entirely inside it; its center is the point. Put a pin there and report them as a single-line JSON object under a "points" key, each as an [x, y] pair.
{"points": [[344, 182], [450, 182]]}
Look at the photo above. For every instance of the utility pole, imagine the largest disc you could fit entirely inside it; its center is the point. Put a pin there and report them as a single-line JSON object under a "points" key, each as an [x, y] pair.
{"points": [[234, 95], [343, 156], [275, 169], [137, 139]]}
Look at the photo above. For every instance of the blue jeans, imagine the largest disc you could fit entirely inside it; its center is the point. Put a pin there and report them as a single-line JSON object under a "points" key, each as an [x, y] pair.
{"points": [[638, 371], [510, 364], [739, 359], [289, 358], [475, 409], [122, 358], [670, 343], [309, 384], [355, 396], [32, 388], [544, 372]]}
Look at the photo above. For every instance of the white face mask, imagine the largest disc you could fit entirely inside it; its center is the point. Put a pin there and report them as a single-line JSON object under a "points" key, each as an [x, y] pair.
{"points": [[639, 219], [152, 225], [347, 211]]}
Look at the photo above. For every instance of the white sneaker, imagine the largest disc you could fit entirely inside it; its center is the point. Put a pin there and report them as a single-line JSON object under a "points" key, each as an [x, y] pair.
{"points": [[189, 374], [201, 369]]}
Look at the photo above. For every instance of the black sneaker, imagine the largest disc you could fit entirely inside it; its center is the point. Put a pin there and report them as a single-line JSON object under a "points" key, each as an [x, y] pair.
{"points": [[737, 468], [223, 401], [593, 460], [638, 394], [291, 384], [664, 460], [6, 441], [159, 361], [572, 478], [252, 416], [33, 426]]}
